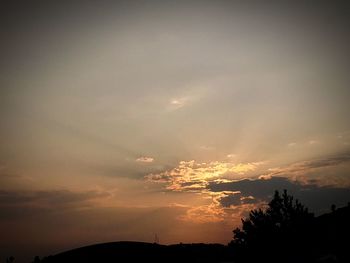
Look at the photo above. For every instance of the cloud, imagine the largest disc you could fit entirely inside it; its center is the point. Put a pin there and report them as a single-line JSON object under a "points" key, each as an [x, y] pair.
{"points": [[194, 176], [6, 173], [231, 195], [177, 103], [315, 171], [259, 189], [204, 214], [227, 186], [145, 159], [317, 198], [313, 142], [48, 198], [206, 148], [237, 200]]}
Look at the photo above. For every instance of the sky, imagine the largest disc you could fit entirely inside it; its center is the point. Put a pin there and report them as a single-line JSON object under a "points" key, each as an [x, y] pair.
{"points": [[125, 119]]}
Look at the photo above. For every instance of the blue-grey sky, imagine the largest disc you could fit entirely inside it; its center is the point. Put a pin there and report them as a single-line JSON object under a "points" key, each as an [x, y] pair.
{"points": [[137, 116]]}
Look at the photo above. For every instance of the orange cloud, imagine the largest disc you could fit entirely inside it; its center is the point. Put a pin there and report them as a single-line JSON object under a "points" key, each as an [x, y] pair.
{"points": [[194, 176], [204, 214], [214, 213]]}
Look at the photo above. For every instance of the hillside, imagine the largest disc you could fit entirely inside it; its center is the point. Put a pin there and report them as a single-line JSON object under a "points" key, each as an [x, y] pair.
{"points": [[328, 235], [143, 252]]}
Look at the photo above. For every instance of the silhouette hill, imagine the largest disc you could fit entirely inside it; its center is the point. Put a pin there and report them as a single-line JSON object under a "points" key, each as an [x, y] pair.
{"points": [[143, 252], [283, 232]]}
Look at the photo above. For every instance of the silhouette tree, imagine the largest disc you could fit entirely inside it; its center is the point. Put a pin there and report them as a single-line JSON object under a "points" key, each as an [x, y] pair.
{"points": [[36, 259], [333, 208], [271, 233]]}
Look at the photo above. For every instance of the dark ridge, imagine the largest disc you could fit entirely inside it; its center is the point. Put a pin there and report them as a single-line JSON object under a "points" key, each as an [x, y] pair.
{"points": [[328, 240], [143, 252]]}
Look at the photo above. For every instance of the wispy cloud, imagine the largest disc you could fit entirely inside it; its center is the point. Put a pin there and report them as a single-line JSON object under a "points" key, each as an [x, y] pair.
{"points": [[313, 142], [301, 171], [145, 159], [57, 198], [206, 148], [177, 103]]}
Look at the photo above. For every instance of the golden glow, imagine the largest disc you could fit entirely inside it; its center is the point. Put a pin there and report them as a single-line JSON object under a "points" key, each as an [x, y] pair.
{"points": [[193, 176]]}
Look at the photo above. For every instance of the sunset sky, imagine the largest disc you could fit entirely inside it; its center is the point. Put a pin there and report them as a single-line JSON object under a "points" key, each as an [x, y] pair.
{"points": [[125, 119]]}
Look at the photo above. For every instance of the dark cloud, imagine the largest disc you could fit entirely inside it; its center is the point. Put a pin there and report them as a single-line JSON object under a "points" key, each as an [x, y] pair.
{"points": [[318, 198], [23, 205], [236, 199], [5, 174], [261, 188], [55, 198], [232, 199]]}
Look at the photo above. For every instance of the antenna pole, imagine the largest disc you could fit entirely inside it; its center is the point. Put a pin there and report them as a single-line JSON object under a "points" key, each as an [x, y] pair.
{"points": [[156, 239]]}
